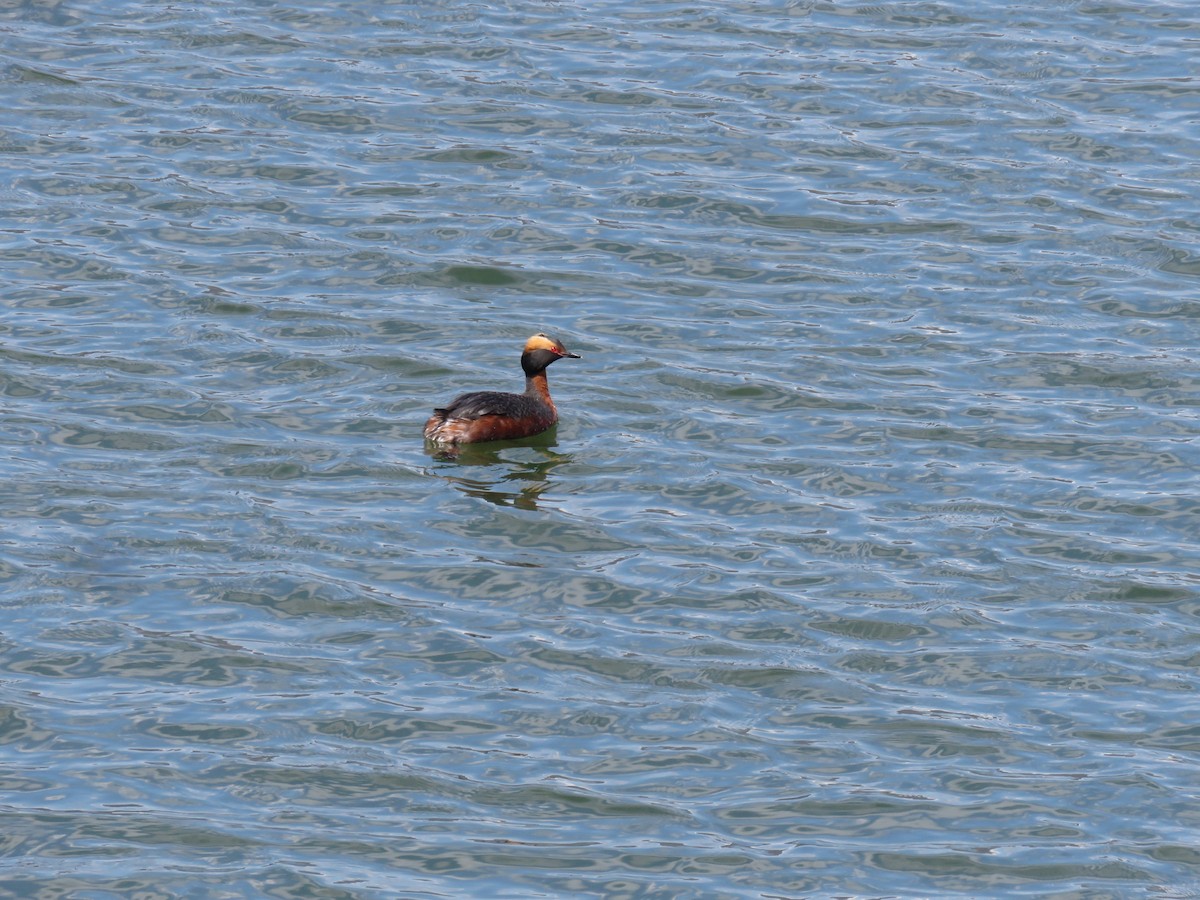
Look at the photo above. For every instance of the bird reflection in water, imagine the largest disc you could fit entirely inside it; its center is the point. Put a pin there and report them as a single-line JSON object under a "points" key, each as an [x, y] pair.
{"points": [[524, 476]]}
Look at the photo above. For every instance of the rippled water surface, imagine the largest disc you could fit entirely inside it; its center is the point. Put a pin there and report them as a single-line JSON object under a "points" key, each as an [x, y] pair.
{"points": [[863, 561]]}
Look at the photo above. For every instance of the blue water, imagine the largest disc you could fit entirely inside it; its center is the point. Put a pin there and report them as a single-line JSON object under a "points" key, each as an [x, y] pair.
{"points": [[863, 561]]}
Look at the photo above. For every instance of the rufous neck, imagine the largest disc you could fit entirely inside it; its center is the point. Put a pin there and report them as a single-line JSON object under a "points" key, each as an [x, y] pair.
{"points": [[538, 386]]}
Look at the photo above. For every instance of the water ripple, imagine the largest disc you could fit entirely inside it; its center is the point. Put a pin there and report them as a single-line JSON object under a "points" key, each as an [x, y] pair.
{"points": [[861, 562]]}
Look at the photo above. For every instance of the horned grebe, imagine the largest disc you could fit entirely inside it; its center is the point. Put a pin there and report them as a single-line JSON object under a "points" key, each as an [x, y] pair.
{"points": [[497, 416]]}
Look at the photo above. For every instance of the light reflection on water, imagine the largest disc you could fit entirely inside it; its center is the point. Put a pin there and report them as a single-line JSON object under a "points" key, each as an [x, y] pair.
{"points": [[862, 560]]}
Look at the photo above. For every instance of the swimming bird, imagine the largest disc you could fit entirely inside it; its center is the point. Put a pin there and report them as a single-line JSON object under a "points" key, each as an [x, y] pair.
{"points": [[498, 416]]}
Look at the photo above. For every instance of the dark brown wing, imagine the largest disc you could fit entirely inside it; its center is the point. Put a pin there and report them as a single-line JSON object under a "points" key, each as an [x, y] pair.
{"points": [[487, 403]]}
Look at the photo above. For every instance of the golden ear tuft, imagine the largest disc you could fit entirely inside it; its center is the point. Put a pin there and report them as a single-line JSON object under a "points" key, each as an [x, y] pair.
{"points": [[541, 342]]}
